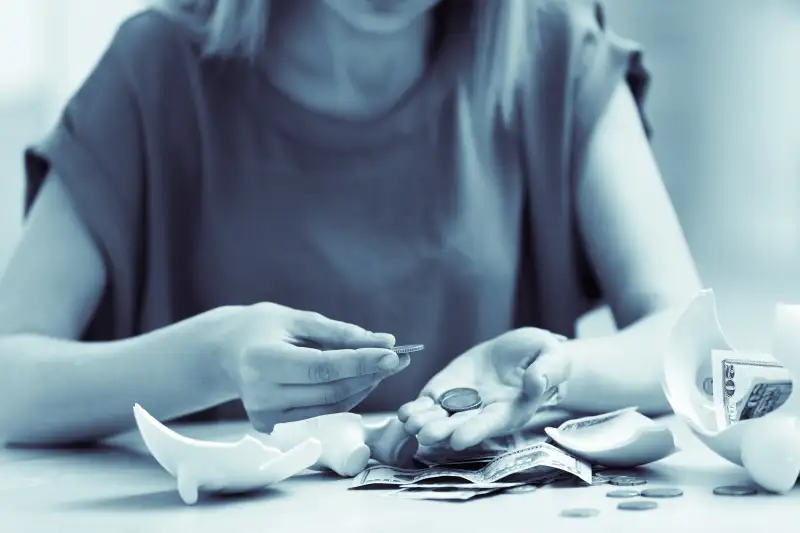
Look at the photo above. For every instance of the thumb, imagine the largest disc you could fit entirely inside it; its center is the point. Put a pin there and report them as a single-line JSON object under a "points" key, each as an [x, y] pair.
{"points": [[550, 370], [329, 333]]}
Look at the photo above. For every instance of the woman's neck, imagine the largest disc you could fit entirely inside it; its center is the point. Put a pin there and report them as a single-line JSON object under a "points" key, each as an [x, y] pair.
{"points": [[325, 63]]}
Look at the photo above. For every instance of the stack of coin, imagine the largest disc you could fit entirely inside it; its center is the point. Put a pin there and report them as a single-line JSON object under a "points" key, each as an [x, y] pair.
{"points": [[460, 399], [626, 481], [408, 348]]}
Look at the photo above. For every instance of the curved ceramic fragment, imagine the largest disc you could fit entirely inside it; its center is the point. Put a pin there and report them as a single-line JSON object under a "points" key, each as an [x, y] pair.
{"points": [[347, 442], [687, 367], [767, 447], [622, 439], [770, 448], [242, 466]]}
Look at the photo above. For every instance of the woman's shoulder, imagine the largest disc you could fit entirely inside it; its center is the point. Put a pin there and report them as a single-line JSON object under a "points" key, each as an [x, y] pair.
{"points": [[577, 59], [152, 44], [565, 28]]}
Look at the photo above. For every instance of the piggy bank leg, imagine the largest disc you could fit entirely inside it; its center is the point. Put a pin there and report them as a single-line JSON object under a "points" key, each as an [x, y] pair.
{"points": [[187, 485], [771, 452], [390, 444], [343, 449]]}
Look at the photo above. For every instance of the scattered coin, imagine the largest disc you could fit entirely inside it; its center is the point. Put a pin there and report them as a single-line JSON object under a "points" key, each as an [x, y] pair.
{"points": [[598, 479], [623, 494], [637, 505], [735, 490], [408, 348], [460, 399], [623, 481], [522, 489], [580, 513], [667, 492]]}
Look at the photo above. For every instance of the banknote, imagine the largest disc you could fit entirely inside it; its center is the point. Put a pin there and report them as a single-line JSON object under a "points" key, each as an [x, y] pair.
{"points": [[590, 421], [471, 486], [747, 387], [460, 494], [535, 461]]}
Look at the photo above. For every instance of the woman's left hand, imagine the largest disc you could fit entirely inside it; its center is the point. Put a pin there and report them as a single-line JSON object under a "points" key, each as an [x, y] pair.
{"points": [[514, 373]]}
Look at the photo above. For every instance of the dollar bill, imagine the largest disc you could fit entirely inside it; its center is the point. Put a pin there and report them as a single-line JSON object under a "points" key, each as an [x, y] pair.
{"points": [[590, 421], [538, 460], [747, 387], [451, 486], [460, 494]]}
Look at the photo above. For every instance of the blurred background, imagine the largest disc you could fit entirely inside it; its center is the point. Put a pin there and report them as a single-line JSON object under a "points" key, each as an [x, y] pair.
{"points": [[725, 105]]}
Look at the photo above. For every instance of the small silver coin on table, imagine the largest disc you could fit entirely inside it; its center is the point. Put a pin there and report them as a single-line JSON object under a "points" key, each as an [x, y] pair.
{"points": [[637, 505], [580, 513], [623, 494], [408, 348], [735, 490], [667, 492], [460, 399]]}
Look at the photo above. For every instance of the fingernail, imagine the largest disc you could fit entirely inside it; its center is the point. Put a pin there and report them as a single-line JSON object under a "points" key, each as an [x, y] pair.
{"points": [[388, 361]]}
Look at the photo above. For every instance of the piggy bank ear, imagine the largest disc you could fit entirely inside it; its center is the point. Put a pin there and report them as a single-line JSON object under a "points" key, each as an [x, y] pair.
{"points": [[687, 363]]}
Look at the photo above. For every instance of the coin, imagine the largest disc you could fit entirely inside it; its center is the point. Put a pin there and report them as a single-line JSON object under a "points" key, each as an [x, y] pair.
{"points": [[623, 494], [637, 505], [457, 404], [460, 399], [735, 490], [458, 391], [626, 481], [408, 348], [598, 479], [580, 513], [666, 492], [522, 489]]}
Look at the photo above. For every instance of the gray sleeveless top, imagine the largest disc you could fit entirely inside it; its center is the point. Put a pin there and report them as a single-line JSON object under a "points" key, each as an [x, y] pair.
{"points": [[204, 185]]}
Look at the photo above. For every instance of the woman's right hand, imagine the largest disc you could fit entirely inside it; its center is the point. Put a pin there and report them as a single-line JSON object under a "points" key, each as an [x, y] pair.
{"points": [[289, 365]]}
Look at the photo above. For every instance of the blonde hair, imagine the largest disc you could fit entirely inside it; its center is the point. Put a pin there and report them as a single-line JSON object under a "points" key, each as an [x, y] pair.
{"points": [[502, 30]]}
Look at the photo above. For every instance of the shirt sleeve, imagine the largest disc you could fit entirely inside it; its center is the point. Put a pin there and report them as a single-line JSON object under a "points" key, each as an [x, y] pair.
{"points": [[578, 62], [600, 60], [96, 149]]}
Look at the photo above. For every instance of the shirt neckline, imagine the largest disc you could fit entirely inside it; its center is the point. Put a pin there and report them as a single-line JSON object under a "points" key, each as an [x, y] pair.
{"points": [[415, 108]]}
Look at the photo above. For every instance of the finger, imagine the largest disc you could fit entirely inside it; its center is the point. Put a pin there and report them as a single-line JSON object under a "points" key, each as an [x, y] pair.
{"points": [[330, 393], [441, 430], [296, 365], [330, 333], [494, 420], [549, 371], [422, 403], [420, 419]]}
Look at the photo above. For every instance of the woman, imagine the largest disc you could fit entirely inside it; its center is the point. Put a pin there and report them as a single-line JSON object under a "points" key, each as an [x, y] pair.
{"points": [[236, 174]]}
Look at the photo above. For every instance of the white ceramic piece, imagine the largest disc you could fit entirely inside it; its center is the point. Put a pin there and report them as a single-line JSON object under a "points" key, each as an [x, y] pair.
{"points": [[242, 466], [347, 442], [767, 447], [390, 444], [622, 439]]}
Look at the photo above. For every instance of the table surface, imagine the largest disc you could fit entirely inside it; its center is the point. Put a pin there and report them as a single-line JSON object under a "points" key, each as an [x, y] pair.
{"points": [[119, 487]]}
